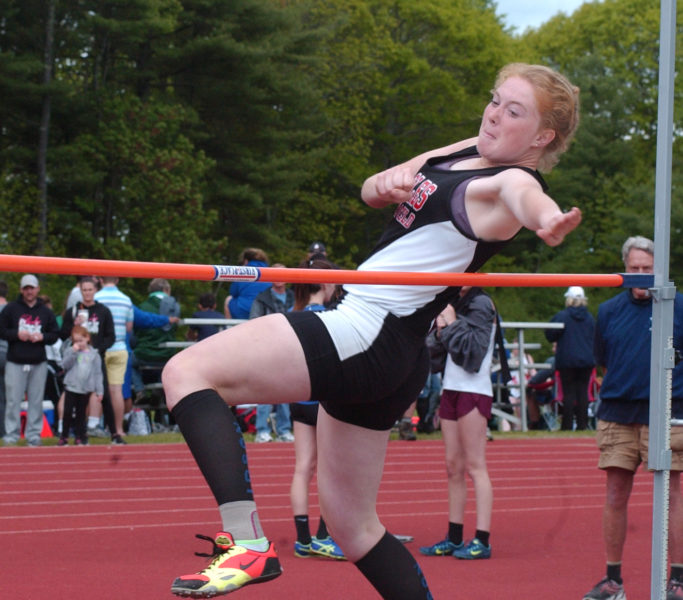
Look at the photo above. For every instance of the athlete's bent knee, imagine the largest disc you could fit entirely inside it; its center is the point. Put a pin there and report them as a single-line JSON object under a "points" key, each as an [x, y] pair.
{"points": [[170, 379]]}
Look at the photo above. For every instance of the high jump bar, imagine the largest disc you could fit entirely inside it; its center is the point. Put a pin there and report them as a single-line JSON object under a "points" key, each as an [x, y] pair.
{"points": [[122, 268]]}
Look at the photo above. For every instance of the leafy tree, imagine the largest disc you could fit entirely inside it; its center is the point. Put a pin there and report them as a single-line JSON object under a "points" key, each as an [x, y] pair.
{"points": [[398, 78], [151, 207], [610, 50], [242, 66], [27, 90], [53, 84], [184, 130]]}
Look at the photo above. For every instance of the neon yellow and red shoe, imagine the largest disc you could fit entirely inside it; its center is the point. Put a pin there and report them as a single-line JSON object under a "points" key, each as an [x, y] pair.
{"points": [[231, 568]]}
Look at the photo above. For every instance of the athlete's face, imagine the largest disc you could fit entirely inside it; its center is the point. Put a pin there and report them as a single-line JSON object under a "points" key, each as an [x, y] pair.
{"points": [[510, 131]]}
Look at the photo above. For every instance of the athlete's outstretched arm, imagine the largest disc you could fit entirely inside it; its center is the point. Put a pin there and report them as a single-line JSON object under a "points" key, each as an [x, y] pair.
{"points": [[516, 199], [538, 212]]}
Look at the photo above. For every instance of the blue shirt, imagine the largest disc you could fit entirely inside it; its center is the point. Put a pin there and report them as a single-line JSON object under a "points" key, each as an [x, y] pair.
{"points": [[244, 292], [204, 331], [623, 339], [575, 341], [121, 308]]}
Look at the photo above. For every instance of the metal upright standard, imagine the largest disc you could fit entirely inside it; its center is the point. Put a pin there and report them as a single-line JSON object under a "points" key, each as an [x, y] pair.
{"points": [[662, 356]]}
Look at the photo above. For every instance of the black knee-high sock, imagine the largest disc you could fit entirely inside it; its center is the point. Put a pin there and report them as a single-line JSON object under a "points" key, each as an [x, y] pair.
{"points": [[215, 440], [393, 571]]}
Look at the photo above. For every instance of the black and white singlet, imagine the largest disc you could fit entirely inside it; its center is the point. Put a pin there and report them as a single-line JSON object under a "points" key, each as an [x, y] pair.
{"points": [[376, 334], [429, 233]]}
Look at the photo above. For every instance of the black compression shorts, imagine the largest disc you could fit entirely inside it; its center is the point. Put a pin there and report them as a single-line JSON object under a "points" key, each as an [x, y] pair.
{"points": [[305, 413], [372, 388]]}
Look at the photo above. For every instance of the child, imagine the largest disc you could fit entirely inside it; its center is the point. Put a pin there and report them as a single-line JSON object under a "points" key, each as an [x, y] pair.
{"points": [[83, 375]]}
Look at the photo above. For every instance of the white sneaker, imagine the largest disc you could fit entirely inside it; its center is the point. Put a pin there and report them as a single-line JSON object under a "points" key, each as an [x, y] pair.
{"points": [[261, 438], [285, 437], [97, 432]]}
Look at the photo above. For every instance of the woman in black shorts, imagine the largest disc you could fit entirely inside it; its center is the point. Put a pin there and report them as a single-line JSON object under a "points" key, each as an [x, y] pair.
{"points": [[365, 361], [309, 297]]}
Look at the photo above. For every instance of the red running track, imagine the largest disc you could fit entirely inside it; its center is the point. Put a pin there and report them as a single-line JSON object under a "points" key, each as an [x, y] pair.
{"points": [[107, 523]]}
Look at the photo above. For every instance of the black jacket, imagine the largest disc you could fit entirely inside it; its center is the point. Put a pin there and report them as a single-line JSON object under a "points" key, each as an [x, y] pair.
{"points": [[575, 341], [100, 325], [39, 317]]}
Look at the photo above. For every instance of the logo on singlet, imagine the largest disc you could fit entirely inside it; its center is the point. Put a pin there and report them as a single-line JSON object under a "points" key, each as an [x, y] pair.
{"points": [[422, 190]]}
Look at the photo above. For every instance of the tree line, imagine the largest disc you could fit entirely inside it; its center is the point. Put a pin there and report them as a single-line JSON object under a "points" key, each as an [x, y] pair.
{"points": [[186, 130]]}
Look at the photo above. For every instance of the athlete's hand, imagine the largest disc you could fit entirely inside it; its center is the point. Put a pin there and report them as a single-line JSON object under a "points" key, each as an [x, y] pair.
{"points": [[395, 185], [559, 226]]}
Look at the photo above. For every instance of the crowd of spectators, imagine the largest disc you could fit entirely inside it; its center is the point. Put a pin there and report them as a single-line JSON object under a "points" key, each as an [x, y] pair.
{"points": [[133, 343]]}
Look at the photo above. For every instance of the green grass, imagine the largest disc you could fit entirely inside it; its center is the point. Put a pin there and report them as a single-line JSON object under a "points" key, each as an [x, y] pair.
{"points": [[177, 438], [513, 435]]}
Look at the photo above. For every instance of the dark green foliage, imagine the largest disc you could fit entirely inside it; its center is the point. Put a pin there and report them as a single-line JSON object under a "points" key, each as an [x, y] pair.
{"points": [[185, 130]]}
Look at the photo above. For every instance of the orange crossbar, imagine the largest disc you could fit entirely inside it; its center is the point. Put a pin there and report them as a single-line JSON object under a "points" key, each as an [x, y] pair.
{"points": [[122, 268]]}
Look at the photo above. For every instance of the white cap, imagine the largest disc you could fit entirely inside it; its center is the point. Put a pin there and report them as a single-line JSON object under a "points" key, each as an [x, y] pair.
{"points": [[29, 281], [574, 291]]}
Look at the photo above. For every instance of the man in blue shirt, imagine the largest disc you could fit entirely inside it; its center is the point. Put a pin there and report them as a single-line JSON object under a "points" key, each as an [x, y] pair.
{"points": [[622, 347]]}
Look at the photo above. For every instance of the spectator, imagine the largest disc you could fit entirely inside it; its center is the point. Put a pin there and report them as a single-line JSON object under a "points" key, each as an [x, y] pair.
{"points": [[98, 321], [148, 347], [132, 382], [207, 310], [309, 297], [82, 377], [3, 359], [28, 326], [622, 347], [462, 347], [275, 299], [516, 381], [317, 250], [116, 356], [574, 356], [242, 293], [75, 295]]}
